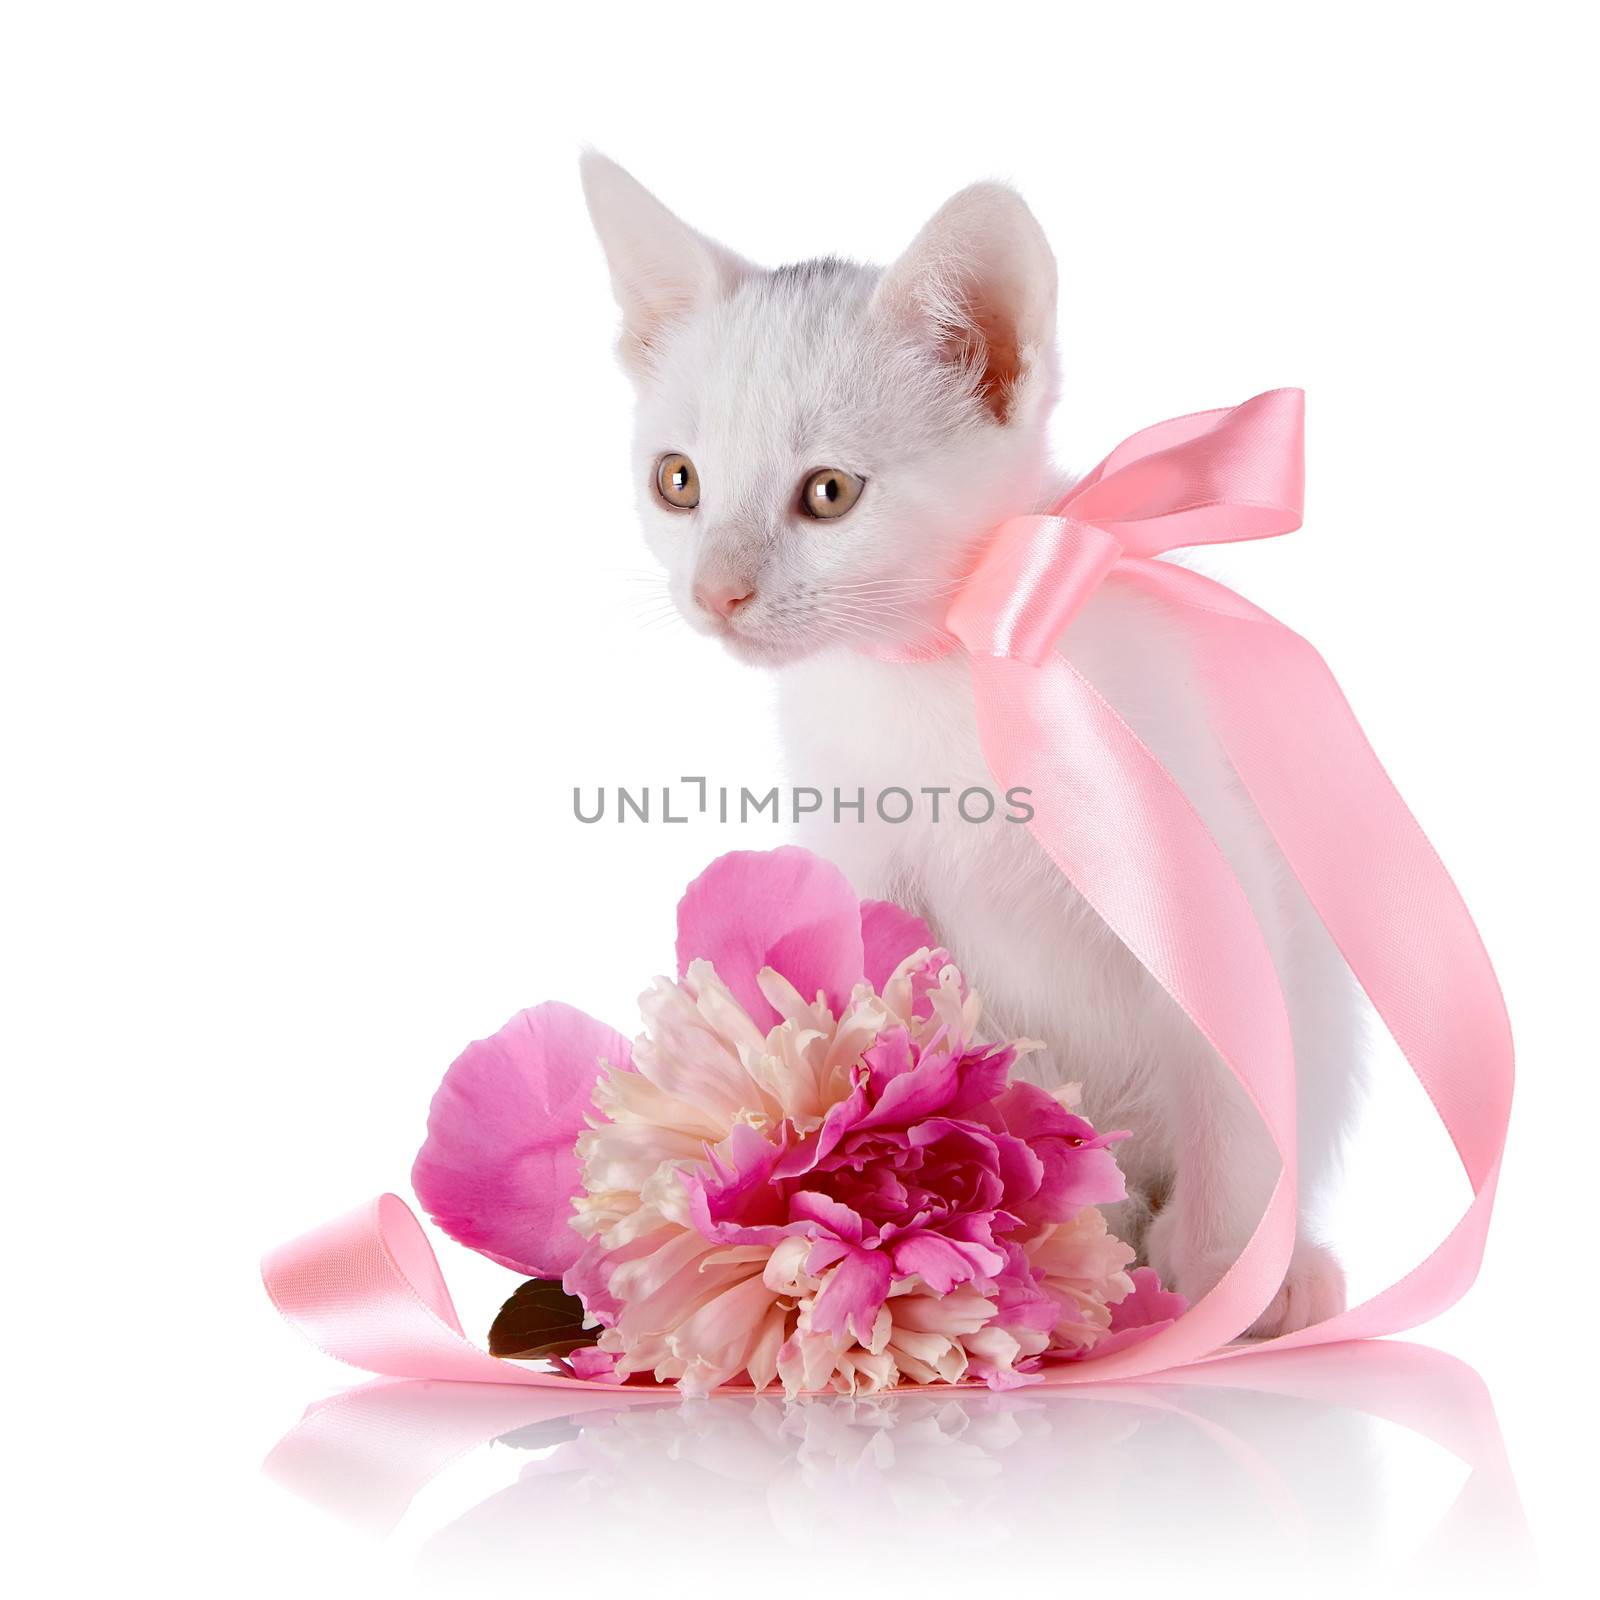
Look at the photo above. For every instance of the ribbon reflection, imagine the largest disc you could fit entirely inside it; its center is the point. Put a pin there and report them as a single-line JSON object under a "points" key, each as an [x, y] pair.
{"points": [[1272, 1462]]}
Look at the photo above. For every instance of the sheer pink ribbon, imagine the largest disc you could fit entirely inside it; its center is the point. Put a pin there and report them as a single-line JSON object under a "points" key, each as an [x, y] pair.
{"points": [[367, 1288]]}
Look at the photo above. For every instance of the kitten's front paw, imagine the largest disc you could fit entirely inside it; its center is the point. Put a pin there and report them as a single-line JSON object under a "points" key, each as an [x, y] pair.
{"points": [[1312, 1291]]}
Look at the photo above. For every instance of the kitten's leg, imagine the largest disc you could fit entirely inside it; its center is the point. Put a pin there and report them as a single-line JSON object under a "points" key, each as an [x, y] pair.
{"points": [[1327, 1014], [1225, 1171], [1225, 1163]]}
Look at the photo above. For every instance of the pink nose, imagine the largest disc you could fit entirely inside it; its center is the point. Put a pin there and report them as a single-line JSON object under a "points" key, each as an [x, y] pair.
{"points": [[722, 599]]}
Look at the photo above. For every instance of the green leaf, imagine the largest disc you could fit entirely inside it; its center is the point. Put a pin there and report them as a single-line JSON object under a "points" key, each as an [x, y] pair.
{"points": [[540, 1319]]}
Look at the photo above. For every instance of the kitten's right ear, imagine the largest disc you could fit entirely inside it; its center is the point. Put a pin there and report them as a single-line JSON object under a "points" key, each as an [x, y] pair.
{"points": [[978, 285], [661, 269]]}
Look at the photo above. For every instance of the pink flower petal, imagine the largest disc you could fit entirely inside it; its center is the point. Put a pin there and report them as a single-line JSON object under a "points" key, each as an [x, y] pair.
{"points": [[888, 935], [785, 909], [940, 1083], [840, 1119], [1022, 1302], [589, 1276], [592, 1365], [889, 1058], [940, 1263], [498, 1170], [1146, 1309], [1078, 1168], [733, 1200], [849, 1302], [838, 1219]]}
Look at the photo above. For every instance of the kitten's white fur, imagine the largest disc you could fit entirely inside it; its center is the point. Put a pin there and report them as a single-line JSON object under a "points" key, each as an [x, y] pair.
{"points": [[933, 380]]}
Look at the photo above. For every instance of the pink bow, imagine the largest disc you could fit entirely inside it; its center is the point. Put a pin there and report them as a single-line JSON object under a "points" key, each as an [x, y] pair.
{"points": [[1125, 836]]}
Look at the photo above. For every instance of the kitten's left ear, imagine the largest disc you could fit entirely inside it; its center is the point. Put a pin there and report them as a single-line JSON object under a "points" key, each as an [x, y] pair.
{"points": [[661, 269], [979, 284]]}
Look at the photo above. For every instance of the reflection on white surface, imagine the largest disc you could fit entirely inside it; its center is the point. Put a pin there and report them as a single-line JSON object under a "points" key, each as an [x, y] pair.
{"points": [[1360, 1463]]}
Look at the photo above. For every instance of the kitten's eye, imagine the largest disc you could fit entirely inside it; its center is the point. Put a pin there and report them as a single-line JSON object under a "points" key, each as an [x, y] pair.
{"points": [[677, 482], [829, 492]]}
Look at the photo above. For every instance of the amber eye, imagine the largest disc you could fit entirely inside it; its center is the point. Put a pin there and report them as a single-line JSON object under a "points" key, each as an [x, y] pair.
{"points": [[829, 492], [677, 482]]}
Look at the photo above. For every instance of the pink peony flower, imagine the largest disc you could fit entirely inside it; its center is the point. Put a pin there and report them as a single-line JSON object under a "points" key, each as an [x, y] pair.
{"points": [[809, 1168]]}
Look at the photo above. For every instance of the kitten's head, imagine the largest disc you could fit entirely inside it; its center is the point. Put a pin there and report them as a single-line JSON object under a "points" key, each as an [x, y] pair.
{"points": [[819, 450]]}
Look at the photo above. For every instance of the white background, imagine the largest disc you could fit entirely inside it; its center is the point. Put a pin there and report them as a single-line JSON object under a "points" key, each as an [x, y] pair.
{"points": [[321, 590]]}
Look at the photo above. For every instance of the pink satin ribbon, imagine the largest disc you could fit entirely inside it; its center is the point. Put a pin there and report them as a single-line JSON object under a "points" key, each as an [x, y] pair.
{"points": [[367, 1289]]}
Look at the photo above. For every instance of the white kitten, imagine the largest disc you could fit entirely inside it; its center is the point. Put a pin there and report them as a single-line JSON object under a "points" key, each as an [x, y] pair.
{"points": [[915, 400]]}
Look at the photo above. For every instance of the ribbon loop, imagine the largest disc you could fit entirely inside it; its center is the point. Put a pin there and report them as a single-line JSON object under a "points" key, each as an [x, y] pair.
{"points": [[1031, 582], [1210, 478]]}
